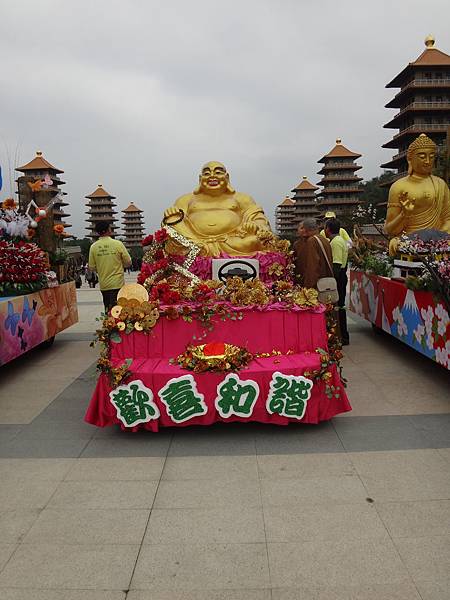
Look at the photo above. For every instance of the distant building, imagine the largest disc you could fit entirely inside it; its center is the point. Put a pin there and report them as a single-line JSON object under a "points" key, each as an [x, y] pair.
{"points": [[36, 169], [132, 225], [423, 104], [341, 189], [305, 200], [100, 208], [286, 224]]}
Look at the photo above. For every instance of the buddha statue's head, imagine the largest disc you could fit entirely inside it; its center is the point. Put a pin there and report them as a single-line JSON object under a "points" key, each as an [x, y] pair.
{"points": [[214, 180], [420, 155]]}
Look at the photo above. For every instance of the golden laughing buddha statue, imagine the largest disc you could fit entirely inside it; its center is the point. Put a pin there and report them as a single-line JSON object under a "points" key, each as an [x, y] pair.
{"points": [[420, 200], [216, 217]]}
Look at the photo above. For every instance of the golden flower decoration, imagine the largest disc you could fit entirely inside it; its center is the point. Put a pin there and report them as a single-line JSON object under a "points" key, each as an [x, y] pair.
{"points": [[276, 269], [305, 297], [138, 326], [121, 326], [115, 311]]}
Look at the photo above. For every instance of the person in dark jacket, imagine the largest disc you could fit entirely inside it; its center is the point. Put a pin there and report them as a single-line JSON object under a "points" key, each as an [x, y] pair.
{"points": [[310, 261]]}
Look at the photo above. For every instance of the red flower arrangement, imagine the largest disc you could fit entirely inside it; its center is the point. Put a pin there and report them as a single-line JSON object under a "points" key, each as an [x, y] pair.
{"points": [[23, 267], [147, 240]]}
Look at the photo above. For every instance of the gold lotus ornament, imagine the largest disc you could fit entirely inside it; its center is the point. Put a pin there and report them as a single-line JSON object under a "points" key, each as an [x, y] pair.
{"points": [[121, 326], [138, 326], [133, 291]]}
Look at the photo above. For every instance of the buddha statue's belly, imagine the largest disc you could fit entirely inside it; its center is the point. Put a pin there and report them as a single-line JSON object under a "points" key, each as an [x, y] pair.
{"points": [[214, 222]]}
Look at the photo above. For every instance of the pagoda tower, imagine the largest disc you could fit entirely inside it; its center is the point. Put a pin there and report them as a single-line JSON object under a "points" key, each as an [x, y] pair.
{"points": [[100, 208], [36, 169], [286, 224], [305, 200], [423, 104], [132, 225], [341, 190]]}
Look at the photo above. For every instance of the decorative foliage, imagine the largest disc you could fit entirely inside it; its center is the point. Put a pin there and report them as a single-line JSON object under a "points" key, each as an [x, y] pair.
{"points": [[245, 293]]}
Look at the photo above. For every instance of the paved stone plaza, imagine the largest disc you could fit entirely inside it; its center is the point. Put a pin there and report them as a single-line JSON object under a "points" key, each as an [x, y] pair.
{"points": [[353, 509]]}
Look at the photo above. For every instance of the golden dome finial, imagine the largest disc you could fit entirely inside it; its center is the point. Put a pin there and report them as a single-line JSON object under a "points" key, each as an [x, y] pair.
{"points": [[38, 153], [338, 141], [100, 185], [430, 41], [304, 177]]}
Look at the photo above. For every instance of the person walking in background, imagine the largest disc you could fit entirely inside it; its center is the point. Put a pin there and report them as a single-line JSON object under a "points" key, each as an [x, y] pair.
{"points": [[108, 257], [342, 232], [311, 253], [339, 251]]}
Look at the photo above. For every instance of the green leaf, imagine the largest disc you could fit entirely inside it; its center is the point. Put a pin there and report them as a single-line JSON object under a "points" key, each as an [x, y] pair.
{"points": [[115, 337]]}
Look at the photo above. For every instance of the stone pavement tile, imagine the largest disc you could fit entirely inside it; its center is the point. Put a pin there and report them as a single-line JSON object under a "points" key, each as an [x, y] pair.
{"points": [[298, 439], [288, 492], [391, 591], [303, 523], [205, 526], [445, 453], [210, 467], [9, 432], [200, 595], [15, 523], [149, 444], [416, 519], [104, 494], [26, 494], [88, 526], [55, 566], [362, 434], [434, 590], [299, 466], [403, 475], [208, 493], [116, 469], [426, 558], [338, 563], [35, 468], [34, 594], [6, 551], [201, 567], [216, 440], [436, 428], [60, 431], [24, 447]]}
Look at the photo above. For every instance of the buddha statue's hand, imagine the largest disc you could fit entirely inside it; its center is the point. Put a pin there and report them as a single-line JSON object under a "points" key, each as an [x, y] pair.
{"points": [[250, 228], [407, 204], [173, 215]]}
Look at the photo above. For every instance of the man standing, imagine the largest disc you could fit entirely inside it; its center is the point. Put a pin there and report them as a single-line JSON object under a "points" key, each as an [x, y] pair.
{"points": [[108, 257], [310, 261], [342, 232], [339, 250]]}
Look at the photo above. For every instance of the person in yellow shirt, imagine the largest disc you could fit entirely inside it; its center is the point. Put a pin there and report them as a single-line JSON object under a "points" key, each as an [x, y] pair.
{"points": [[108, 257], [339, 250], [342, 232]]}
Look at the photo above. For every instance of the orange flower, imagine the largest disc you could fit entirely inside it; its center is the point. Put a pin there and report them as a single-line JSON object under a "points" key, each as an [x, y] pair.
{"points": [[31, 232], [8, 203], [58, 229], [35, 186]]}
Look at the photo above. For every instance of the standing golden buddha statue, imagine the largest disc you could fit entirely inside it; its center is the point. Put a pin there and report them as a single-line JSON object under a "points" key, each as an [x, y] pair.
{"points": [[216, 217], [420, 200]]}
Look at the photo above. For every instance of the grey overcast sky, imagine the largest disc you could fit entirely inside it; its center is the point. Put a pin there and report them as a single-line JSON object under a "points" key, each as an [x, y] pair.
{"points": [[137, 95]]}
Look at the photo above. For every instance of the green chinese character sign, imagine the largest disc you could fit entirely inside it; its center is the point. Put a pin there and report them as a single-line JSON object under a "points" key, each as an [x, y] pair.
{"points": [[182, 399], [134, 403], [236, 397], [289, 395]]}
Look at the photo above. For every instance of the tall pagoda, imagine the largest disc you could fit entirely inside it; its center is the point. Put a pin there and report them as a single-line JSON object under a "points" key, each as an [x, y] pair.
{"points": [[305, 200], [39, 168], [423, 104], [132, 225], [100, 208], [286, 224], [341, 189]]}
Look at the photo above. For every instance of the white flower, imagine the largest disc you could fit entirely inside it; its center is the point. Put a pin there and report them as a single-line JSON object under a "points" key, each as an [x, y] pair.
{"points": [[430, 342], [441, 356], [441, 313], [355, 299], [402, 328], [396, 314], [427, 316], [419, 332]]}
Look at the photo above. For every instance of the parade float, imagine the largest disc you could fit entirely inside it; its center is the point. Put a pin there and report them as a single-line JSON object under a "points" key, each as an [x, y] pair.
{"points": [[36, 301], [215, 329], [405, 289]]}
